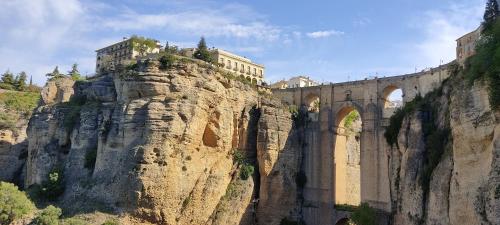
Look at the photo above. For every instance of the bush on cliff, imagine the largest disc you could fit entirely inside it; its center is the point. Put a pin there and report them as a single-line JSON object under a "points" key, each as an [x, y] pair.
{"points": [[364, 215], [14, 204], [48, 216], [246, 171], [167, 60]]}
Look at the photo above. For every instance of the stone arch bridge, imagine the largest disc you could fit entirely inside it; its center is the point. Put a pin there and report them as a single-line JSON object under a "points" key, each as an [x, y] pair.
{"points": [[369, 98]]}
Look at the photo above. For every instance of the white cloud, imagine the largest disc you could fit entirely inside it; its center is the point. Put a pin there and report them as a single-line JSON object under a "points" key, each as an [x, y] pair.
{"points": [[324, 33], [442, 28], [208, 22]]}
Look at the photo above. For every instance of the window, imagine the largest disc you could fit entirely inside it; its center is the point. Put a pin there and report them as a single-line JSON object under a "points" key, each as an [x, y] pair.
{"points": [[261, 73], [235, 65], [229, 64], [221, 60], [254, 71]]}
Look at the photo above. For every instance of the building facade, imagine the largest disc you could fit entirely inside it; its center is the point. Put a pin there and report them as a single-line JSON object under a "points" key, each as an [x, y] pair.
{"points": [[301, 81], [466, 45], [239, 65], [120, 53]]}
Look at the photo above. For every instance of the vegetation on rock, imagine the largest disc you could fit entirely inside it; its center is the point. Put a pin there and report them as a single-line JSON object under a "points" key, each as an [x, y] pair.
{"points": [[74, 73], [14, 204], [16, 105], [49, 216], [364, 215], [246, 171], [350, 118], [485, 64]]}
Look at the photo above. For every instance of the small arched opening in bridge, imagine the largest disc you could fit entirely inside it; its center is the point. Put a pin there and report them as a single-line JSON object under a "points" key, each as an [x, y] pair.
{"points": [[347, 153], [392, 97], [344, 221], [312, 103]]}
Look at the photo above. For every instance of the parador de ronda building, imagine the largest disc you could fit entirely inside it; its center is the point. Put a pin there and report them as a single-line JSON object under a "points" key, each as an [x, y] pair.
{"points": [[124, 51], [241, 66]]}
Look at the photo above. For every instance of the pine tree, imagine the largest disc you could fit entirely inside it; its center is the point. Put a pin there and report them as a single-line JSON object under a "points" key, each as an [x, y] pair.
{"points": [[55, 74], [8, 78], [21, 81], [492, 11], [202, 51], [74, 73]]}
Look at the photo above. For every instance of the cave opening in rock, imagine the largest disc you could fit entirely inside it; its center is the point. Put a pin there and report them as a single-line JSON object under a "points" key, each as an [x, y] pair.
{"points": [[347, 171]]}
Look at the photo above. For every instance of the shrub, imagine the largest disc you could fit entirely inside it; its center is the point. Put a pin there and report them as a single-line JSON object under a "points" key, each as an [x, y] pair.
{"points": [[167, 61], [111, 222], [364, 215], [53, 187], [14, 204], [246, 171], [90, 158], [350, 118], [238, 157], [49, 216]]}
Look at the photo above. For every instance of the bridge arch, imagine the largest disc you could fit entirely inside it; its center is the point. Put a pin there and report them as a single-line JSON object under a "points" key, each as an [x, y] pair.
{"points": [[312, 102], [347, 155], [392, 98]]}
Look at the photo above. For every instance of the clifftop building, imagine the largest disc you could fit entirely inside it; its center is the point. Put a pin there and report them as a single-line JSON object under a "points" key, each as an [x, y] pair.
{"points": [[239, 65], [294, 82], [466, 45], [121, 52]]}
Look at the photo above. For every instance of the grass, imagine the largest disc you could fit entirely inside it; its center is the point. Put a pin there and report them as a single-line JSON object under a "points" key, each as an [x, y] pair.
{"points": [[23, 102]]}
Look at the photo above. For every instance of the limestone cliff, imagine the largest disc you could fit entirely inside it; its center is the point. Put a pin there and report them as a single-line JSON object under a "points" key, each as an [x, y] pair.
{"points": [[160, 144], [445, 168]]}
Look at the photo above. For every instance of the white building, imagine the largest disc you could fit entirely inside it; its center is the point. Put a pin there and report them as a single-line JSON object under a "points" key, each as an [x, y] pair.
{"points": [[294, 82], [123, 52]]}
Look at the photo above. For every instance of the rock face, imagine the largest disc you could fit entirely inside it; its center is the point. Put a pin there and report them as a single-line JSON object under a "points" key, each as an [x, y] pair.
{"points": [[463, 186], [163, 142], [13, 152], [278, 153]]}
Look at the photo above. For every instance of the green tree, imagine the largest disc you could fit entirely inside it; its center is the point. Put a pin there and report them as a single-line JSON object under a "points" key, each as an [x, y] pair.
{"points": [[491, 12], [143, 45], [55, 74], [21, 81], [74, 73], [8, 78], [48, 216], [364, 215], [14, 204], [202, 51]]}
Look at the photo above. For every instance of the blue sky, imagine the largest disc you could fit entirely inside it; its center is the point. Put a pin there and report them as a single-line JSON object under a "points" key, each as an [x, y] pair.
{"points": [[330, 41]]}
